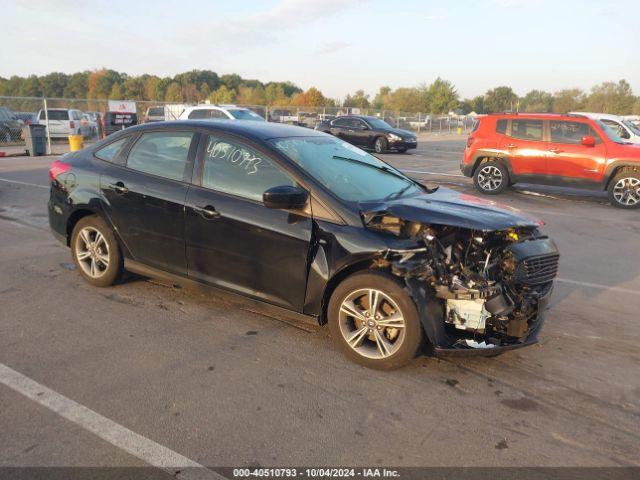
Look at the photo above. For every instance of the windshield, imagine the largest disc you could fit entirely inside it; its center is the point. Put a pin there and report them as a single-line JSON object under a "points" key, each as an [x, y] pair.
{"points": [[377, 123], [243, 114], [350, 173], [610, 132], [4, 115], [631, 127]]}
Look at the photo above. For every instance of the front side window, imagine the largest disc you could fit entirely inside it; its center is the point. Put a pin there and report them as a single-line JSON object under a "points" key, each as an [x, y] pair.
{"points": [[165, 154], [526, 129], [349, 173], [616, 127], [237, 169], [109, 152], [571, 132]]}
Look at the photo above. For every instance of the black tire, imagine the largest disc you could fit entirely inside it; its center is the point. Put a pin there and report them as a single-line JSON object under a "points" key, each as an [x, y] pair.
{"points": [[381, 145], [624, 189], [368, 352], [104, 275], [491, 178]]}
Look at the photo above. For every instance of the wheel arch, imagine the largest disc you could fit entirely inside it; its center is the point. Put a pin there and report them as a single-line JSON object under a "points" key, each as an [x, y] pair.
{"points": [[615, 168], [484, 157], [359, 265]]}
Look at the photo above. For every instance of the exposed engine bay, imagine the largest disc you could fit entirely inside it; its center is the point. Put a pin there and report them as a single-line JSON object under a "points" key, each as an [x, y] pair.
{"points": [[488, 283]]}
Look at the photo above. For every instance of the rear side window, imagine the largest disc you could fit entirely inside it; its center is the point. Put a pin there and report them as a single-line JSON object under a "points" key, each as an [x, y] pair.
{"points": [[231, 167], [204, 114], [571, 132], [526, 129], [56, 115], [109, 152], [341, 122], [156, 111], [501, 127], [165, 154]]}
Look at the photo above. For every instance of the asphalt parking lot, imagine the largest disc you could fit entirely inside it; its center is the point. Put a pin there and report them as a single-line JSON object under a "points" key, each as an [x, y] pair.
{"points": [[219, 385]]}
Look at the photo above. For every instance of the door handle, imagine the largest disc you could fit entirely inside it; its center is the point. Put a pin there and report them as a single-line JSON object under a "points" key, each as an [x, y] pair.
{"points": [[555, 150], [119, 188], [510, 145], [207, 212]]}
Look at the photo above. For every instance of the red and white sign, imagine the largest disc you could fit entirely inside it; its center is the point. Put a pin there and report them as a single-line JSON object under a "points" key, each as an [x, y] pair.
{"points": [[122, 106]]}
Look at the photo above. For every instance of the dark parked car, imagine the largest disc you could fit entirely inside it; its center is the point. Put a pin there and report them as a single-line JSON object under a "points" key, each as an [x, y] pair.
{"points": [[10, 126], [28, 118], [311, 227], [369, 132]]}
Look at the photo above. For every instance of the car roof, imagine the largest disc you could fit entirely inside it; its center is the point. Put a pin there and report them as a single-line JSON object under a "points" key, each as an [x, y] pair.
{"points": [[541, 116], [598, 116], [254, 130]]}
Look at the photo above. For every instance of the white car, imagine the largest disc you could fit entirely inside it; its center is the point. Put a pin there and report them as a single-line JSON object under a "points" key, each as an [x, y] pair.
{"points": [[624, 128], [62, 121], [219, 112]]}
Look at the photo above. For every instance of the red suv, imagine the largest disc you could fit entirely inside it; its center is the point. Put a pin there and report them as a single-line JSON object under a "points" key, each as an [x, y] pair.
{"points": [[566, 150]]}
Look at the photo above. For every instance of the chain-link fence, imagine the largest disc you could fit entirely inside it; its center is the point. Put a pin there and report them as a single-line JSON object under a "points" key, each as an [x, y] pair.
{"points": [[93, 119]]}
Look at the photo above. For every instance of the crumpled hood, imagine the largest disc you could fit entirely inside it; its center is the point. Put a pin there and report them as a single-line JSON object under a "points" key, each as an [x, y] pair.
{"points": [[448, 207]]}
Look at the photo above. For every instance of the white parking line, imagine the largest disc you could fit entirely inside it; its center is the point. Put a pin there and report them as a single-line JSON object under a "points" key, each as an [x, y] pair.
{"points": [[598, 286], [141, 447], [23, 183], [432, 173]]}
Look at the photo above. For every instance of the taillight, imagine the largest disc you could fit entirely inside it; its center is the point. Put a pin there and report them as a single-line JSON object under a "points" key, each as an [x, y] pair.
{"points": [[470, 141], [72, 124], [57, 168]]}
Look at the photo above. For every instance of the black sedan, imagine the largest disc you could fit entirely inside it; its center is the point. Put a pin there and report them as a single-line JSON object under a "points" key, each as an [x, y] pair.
{"points": [[306, 226], [369, 132]]}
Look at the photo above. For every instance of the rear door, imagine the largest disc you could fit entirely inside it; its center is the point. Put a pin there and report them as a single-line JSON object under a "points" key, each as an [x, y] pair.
{"points": [[340, 127], [568, 158], [524, 147], [233, 240], [145, 197]]}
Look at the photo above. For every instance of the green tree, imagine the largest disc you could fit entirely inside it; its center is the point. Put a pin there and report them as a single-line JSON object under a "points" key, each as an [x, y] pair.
{"points": [[441, 96], [232, 81], [477, 104], [274, 94], [568, 100], [500, 99], [406, 99], [611, 97], [173, 93], [116, 92], [382, 99], [358, 100], [223, 95], [537, 101], [53, 84]]}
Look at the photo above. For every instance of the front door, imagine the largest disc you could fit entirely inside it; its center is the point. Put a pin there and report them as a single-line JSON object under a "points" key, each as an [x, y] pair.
{"points": [[568, 158], [524, 147], [145, 198], [233, 240]]}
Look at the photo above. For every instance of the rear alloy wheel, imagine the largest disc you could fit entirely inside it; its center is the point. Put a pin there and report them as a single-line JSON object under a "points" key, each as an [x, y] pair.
{"points": [[380, 145], [624, 189], [374, 321], [491, 178], [95, 251]]}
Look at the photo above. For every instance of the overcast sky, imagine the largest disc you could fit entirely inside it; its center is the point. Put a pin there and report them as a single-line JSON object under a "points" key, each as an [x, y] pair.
{"points": [[335, 45]]}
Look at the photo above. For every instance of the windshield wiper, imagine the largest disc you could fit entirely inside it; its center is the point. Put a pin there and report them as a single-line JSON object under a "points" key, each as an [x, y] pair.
{"points": [[384, 168], [399, 193]]}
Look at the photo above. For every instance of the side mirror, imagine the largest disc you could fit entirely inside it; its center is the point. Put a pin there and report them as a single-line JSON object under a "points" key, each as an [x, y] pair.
{"points": [[285, 197], [588, 141]]}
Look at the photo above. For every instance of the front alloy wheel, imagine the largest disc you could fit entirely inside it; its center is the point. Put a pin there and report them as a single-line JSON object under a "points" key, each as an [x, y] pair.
{"points": [[374, 321], [371, 323], [626, 192], [380, 145]]}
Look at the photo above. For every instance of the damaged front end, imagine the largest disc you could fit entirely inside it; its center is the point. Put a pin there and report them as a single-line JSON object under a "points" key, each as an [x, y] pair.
{"points": [[478, 291]]}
